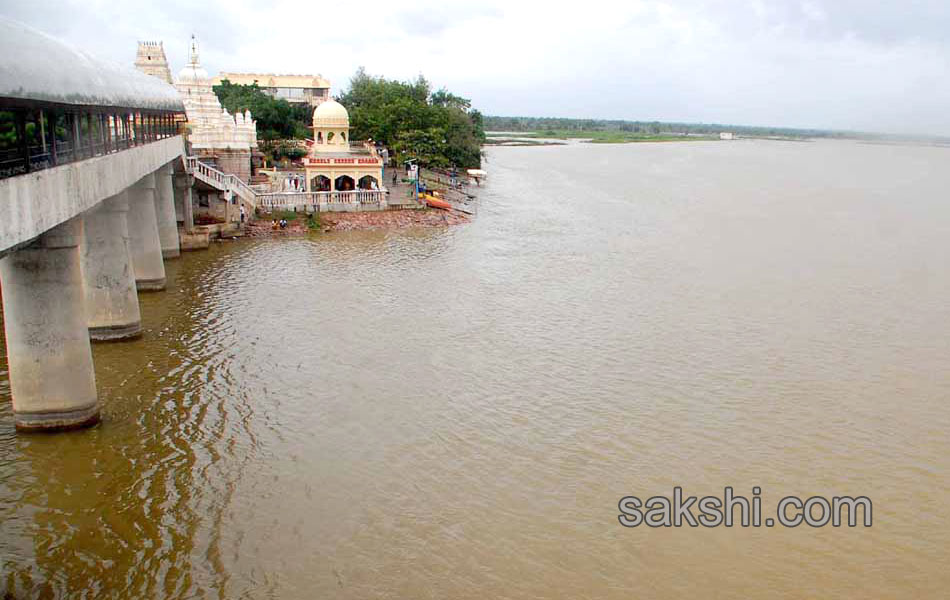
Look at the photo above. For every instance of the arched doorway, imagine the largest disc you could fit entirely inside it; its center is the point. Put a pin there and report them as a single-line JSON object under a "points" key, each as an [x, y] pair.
{"points": [[368, 182], [320, 183], [344, 183]]}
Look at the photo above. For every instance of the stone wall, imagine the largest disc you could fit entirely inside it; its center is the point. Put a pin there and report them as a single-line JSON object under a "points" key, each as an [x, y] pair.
{"points": [[237, 162]]}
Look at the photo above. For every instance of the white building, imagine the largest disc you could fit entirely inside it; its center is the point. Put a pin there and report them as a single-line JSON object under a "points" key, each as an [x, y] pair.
{"points": [[296, 89], [213, 129]]}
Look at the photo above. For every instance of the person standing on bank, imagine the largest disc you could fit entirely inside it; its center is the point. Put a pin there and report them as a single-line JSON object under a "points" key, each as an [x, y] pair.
{"points": [[243, 215]]}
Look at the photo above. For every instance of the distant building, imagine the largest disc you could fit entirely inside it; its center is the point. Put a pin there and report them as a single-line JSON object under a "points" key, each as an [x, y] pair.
{"points": [[727, 135], [150, 59], [300, 89]]}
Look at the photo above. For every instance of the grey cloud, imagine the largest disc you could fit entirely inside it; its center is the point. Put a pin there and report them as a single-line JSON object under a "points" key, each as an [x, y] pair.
{"points": [[432, 20], [847, 64], [867, 20]]}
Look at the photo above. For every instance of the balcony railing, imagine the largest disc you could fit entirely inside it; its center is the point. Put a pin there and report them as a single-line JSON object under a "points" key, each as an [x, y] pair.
{"points": [[49, 137], [319, 200]]}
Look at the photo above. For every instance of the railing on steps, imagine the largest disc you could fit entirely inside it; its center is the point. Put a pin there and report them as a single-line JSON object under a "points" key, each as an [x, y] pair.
{"points": [[222, 181]]}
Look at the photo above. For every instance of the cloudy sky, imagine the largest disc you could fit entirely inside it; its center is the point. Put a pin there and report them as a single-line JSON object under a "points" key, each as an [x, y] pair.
{"points": [[844, 64]]}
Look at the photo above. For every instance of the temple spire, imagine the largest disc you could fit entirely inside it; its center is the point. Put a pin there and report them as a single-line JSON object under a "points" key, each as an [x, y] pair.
{"points": [[194, 50]]}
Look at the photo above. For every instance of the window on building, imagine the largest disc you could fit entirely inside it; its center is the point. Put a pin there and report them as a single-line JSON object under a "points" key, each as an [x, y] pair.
{"points": [[290, 93]]}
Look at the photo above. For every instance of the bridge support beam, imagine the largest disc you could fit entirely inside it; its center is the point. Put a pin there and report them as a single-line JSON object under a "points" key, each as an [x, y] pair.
{"points": [[143, 236], [165, 212], [112, 306], [52, 379]]}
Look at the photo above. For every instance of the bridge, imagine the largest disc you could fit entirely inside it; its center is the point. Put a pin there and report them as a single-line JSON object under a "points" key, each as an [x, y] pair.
{"points": [[87, 215]]}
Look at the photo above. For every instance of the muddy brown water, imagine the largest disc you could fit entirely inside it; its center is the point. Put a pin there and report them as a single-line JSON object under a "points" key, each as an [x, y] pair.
{"points": [[454, 413]]}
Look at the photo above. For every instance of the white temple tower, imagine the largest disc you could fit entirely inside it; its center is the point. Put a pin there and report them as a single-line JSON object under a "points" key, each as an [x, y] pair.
{"points": [[214, 133], [223, 139]]}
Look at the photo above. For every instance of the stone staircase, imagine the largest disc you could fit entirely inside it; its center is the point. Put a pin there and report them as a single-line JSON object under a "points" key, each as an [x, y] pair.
{"points": [[225, 182]]}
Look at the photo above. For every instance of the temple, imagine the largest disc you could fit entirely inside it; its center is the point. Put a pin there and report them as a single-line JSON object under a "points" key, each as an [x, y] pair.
{"points": [[150, 59], [215, 135], [334, 163]]}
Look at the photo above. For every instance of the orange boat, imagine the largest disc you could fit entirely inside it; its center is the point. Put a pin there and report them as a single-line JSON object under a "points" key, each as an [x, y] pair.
{"points": [[436, 202]]}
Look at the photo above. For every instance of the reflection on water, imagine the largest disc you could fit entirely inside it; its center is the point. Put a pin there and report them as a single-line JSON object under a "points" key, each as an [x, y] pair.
{"points": [[455, 413]]}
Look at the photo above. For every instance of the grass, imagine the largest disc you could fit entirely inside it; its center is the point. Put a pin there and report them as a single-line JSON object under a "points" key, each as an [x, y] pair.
{"points": [[287, 215], [313, 222], [313, 219]]}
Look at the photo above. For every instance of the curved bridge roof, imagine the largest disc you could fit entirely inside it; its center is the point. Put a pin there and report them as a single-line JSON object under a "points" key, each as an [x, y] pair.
{"points": [[37, 67]]}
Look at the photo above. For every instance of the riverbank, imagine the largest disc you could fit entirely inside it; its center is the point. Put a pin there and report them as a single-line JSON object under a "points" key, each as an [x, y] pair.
{"points": [[401, 192], [390, 219], [263, 228], [355, 221]]}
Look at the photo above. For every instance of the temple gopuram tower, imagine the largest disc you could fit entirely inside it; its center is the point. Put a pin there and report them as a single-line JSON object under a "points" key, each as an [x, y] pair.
{"points": [[150, 59]]}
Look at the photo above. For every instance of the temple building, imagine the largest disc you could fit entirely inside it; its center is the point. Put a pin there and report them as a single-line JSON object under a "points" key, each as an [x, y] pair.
{"points": [[226, 141], [334, 162], [216, 136], [150, 59], [296, 89]]}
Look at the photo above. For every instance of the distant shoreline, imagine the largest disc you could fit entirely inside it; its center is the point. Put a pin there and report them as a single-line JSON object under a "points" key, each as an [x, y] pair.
{"points": [[561, 138]]}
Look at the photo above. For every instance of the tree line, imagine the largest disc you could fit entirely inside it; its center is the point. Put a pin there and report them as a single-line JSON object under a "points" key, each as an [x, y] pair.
{"points": [[542, 124]]}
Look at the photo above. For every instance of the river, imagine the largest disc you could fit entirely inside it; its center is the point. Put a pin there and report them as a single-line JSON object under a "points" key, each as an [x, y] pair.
{"points": [[455, 413]]}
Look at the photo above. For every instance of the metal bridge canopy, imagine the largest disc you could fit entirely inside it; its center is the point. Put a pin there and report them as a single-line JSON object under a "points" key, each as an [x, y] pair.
{"points": [[59, 105]]}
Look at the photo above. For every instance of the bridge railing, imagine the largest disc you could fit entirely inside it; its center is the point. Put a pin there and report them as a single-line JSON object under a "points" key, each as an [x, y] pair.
{"points": [[46, 136]]}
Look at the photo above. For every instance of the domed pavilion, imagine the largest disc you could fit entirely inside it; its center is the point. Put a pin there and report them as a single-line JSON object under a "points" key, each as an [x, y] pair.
{"points": [[335, 163]]}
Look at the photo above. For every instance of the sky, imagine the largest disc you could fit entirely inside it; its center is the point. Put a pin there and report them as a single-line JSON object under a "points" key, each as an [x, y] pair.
{"points": [[864, 65]]}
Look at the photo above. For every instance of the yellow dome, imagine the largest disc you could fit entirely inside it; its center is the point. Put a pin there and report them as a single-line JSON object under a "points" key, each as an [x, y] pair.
{"points": [[330, 114]]}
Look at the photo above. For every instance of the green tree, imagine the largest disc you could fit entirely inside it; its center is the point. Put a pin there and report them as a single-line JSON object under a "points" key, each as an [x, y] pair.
{"points": [[438, 129], [276, 118]]}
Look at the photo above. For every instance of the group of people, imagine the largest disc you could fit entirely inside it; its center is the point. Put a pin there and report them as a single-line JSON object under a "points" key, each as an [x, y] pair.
{"points": [[281, 224], [294, 182]]}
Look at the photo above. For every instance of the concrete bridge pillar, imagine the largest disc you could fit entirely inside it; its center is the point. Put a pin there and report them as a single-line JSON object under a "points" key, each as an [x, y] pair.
{"points": [[184, 199], [51, 373], [112, 306], [143, 237], [165, 212]]}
